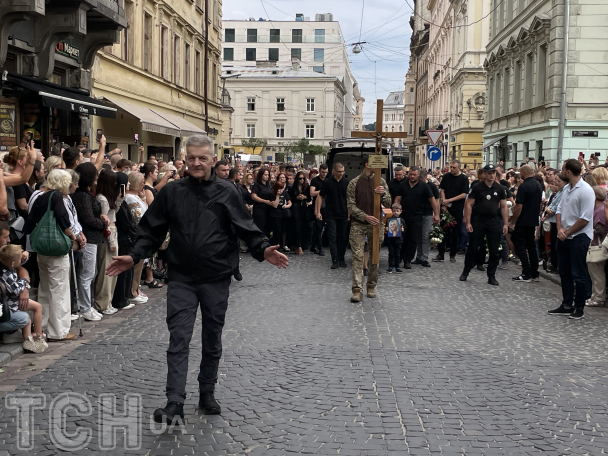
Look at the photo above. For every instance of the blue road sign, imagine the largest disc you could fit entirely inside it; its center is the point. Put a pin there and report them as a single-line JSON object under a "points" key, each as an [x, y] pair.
{"points": [[433, 153]]}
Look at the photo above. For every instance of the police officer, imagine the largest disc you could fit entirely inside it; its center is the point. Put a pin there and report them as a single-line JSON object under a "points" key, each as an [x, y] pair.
{"points": [[490, 201]]}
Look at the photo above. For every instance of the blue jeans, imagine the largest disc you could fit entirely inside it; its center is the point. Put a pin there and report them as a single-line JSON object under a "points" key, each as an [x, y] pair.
{"points": [[18, 320], [572, 260]]}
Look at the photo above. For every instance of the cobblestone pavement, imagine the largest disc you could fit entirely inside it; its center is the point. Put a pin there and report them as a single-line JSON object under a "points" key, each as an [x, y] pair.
{"points": [[431, 366]]}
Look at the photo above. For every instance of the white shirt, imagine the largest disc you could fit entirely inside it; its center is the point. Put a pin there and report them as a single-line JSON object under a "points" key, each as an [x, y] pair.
{"points": [[577, 203]]}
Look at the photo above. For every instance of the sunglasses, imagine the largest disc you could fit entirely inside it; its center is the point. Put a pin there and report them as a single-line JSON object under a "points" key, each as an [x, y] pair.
{"points": [[301, 178]]}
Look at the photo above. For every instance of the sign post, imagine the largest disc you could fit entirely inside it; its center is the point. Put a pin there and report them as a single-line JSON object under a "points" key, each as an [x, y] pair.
{"points": [[378, 161]]}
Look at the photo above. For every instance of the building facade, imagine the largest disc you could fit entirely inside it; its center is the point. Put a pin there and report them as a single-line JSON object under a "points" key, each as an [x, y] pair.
{"points": [[319, 45], [358, 114], [284, 104], [394, 113], [525, 70], [409, 110], [46, 51], [163, 77]]}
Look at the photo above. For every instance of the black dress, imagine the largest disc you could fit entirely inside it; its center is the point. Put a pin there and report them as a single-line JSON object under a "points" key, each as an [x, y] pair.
{"points": [[298, 225], [279, 218], [261, 211]]}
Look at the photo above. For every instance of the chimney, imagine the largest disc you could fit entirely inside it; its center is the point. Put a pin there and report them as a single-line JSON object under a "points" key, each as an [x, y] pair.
{"points": [[295, 63]]}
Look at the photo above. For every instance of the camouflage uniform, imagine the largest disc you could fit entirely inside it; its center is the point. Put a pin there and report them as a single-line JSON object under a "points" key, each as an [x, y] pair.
{"points": [[359, 229]]}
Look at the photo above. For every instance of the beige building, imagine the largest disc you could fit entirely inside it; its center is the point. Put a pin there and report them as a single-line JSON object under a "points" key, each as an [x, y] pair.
{"points": [[358, 120], [393, 117], [155, 77], [409, 109]]}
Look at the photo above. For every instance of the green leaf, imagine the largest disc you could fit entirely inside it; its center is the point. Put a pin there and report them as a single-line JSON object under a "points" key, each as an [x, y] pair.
{"points": [[31, 364]]}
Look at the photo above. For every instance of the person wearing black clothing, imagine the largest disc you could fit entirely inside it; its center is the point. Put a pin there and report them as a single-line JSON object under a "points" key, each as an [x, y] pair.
{"points": [[206, 216], [300, 197], [487, 196], [280, 212], [526, 217], [412, 195], [424, 248], [336, 214], [393, 184], [454, 189], [316, 184], [263, 199]]}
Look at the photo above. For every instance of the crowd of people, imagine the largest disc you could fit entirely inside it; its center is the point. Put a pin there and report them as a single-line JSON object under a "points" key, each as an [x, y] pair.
{"points": [[529, 216]]}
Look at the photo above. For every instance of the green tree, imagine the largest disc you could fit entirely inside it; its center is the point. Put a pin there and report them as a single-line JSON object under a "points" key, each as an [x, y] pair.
{"points": [[297, 149], [370, 127], [254, 143]]}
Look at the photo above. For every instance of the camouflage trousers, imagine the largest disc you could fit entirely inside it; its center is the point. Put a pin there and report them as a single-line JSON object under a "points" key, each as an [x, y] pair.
{"points": [[358, 233]]}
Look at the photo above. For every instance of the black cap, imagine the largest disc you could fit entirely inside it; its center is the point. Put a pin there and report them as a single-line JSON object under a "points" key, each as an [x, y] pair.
{"points": [[489, 167]]}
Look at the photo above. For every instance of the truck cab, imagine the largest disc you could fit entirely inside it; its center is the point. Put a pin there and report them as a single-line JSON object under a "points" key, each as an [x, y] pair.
{"points": [[350, 152]]}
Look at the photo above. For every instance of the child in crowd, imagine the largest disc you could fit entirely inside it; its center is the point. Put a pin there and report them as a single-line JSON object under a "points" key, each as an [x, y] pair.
{"points": [[10, 258], [394, 239]]}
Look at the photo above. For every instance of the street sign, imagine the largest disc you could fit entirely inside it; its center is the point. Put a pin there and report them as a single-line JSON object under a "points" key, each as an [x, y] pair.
{"points": [[588, 134], [433, 153], [378, 161], [434, 135]]}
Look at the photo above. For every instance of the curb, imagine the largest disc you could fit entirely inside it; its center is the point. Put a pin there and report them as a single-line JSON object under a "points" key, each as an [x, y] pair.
{"points": [[551, 277], [9, 352]]}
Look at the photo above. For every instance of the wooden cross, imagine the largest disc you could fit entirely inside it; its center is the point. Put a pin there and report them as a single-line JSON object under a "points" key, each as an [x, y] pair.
{"points": [[379, 135]]}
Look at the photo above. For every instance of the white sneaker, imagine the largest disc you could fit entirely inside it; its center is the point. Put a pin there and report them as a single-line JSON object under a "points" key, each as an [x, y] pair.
{"points": [[74, 317], [109, 311], [96, 312], [138, 300], [90, 315], [128, 306]]}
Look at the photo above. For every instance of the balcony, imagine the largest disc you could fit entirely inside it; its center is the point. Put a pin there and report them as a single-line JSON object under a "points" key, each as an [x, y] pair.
{"points": [[285, 39]]}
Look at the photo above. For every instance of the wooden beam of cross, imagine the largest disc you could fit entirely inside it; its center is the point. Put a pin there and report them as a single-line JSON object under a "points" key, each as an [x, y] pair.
{"points": [[378, 135]]}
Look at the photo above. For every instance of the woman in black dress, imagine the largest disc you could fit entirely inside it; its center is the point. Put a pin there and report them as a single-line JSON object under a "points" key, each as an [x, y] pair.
{"points": [[263, 200], [280, 212], [300, 198]]}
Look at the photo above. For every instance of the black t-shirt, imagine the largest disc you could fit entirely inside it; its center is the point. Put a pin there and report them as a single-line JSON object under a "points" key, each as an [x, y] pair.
{"points": [[487, 199], [393, 186], [264, 192], [428, 207], [317, 183], [334, 195], [22, 191], [530, 196], [453, 186], [413, 199]]}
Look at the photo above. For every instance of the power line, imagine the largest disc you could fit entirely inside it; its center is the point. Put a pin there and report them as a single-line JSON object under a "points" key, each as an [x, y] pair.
{"points": [[361, 26], [455, 26]]}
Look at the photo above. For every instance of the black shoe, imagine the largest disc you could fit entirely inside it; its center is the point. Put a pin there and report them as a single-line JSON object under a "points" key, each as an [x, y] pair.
{"points": [[335, 265], [321, 252], [438, 258], [492, 281], [577, 314], [342, 264], [425, 264], [171, 411], [314, 249], [463, 277], [480, 267], [237, 275], [407, 265], [522, 278], [417, 261], [561, 310], [208, 404]]}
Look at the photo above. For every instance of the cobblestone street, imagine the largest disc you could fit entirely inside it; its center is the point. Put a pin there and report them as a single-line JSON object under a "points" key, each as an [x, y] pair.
{"points": [[431, 366]]}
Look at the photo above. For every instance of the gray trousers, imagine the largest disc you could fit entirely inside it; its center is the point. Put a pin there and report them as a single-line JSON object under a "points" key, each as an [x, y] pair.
{"points": [[424, 247], [183, 301]]}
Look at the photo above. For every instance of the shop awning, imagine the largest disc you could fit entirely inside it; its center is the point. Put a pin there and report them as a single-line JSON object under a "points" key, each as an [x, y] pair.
{"points": [[186, 128], [60, 97], [150, 121], [491, 143]]}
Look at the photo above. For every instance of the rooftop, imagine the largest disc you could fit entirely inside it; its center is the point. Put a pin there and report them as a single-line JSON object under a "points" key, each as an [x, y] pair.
{"points": [[273, 72]]}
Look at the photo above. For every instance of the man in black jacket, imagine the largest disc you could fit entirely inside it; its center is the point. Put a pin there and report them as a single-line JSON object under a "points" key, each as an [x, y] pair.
{"points": [[206, 216]]}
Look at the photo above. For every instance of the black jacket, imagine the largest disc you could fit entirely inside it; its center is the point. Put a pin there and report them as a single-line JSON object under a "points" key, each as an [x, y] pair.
{"points": [[205, 219], [126, 228]]}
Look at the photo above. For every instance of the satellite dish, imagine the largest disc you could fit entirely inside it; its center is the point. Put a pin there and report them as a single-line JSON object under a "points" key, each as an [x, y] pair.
{"points": [[356, 49]]}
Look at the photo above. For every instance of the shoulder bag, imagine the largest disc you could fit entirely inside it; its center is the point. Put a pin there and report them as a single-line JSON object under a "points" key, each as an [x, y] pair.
{"points": [[598, 253], [47, 238]]}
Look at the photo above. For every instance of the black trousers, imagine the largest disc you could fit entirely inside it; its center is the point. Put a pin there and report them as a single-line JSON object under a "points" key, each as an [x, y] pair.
{"points": [[317, 231], [394, 253], [298, 225], [489, 228], [261, 215], [412, 237], [183, 301], [279, 227], [451, 236], [337, 232], [122, 290], [525, 247]]}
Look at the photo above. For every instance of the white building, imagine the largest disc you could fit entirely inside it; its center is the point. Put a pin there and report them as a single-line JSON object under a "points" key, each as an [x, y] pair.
{"points": [[393, 116], [284, 104], [318, 44]]}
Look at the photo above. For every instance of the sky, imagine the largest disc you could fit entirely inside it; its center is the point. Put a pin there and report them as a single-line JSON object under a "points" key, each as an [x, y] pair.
{"points": [[384, 25]]}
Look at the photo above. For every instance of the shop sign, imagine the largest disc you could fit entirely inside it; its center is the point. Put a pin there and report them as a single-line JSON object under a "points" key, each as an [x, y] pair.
{"points": [[8, 130], [68, 50], [586, 134]]}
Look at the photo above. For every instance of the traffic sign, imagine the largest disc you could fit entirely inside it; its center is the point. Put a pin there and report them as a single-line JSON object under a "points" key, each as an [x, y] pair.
{"points": [[434, 135], [433, 153]]}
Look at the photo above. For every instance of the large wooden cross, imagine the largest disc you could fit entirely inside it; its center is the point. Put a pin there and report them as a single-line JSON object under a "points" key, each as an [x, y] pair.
{"points": [[379, 135]]}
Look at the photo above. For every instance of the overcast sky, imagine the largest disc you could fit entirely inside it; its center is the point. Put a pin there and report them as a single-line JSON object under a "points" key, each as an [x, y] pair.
{"points": [[385, 28]]}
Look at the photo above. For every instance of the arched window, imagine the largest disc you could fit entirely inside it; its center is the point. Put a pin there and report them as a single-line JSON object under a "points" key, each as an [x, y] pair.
{"points": [[393, 128], [400, 127]]}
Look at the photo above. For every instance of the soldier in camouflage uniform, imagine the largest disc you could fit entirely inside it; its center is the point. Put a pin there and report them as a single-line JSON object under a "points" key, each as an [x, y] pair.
{"points": [[360, 203]]}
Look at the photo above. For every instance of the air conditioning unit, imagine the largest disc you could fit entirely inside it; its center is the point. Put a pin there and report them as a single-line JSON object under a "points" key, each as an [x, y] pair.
{"points": [[252, 19], [324, 17]]}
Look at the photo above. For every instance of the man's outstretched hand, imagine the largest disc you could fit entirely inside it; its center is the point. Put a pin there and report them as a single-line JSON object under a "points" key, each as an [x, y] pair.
{"points": [[271, 254], [119, 264]]}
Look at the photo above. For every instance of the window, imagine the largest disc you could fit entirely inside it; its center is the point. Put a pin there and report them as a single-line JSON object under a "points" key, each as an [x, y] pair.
{"points": [[251, 104], [392, 128], [275, 36], [357, 126], [250, 54], [410, 128], [197, 72], [164, 52], [125, 43], [318, 69], [491, 99], [280, 104], [228, 54], [320, 36], [392, 116], [400, 116], [357, 110], [250, 131], [319, 55], [252, 35], [229, 36], [517, 87], [310, 131], [176, 60], [214, 78], [386, 128], [310, 105], [411, 95], [296, 36], [147, 43], [386, 117], [296, 52], [497, 97], [187, 66], [505, 92], [542, 75], [280, 130], [529, 81], [273, 54], [400, 128]]}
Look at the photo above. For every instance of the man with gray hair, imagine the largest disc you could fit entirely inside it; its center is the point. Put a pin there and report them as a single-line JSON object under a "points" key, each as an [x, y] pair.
{"points": [[424, 247], [206, 217]]}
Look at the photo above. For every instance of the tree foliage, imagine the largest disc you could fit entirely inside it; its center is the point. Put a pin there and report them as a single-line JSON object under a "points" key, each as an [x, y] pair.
{"points": [[254, 143], [297, 149], [370, 127]]}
